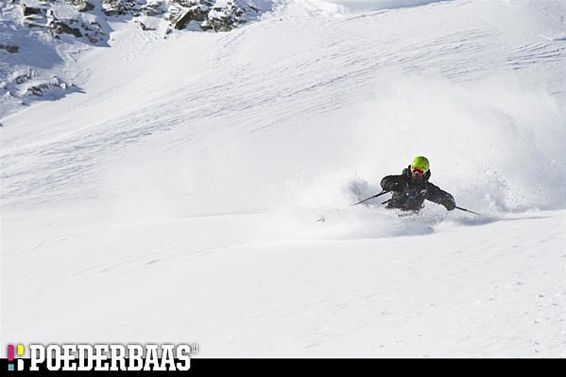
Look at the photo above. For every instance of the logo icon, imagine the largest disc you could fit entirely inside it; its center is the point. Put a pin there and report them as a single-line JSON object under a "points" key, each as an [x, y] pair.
{"points": [[101, 357], [14, 351]]}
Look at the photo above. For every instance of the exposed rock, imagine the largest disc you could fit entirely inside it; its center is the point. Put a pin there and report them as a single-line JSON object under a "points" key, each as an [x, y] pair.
{"points": [[84, 6], [41, 89], [121, 7], [30, 11], [143, 26], [188, 15], [94, 32], [61, 27], [20, 79], [76, 27], [205, 15], [208, 15], [9, 48], [34, 16], [153, 9], [37, 90], [224, 19], [81, 5], [58, 22]]}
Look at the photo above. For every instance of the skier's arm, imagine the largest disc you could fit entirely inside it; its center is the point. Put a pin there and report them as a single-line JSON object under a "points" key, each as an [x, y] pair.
{"points": [[436, 195], [393, 183]]}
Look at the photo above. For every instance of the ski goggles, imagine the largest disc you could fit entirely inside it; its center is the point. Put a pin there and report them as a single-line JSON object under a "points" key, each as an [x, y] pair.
{"points": [[417, 171]]}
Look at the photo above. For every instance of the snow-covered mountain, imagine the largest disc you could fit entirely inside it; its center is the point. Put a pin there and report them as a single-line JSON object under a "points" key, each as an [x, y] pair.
{"points": [[41, 39], [174, 186]]}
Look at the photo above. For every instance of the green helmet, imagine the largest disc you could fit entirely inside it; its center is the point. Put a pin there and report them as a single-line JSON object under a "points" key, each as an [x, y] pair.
{"points": [[420, 162]]}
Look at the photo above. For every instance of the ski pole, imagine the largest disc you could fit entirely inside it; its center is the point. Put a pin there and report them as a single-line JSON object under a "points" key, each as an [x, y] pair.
{"points": [[467, 210], [371, 197]]}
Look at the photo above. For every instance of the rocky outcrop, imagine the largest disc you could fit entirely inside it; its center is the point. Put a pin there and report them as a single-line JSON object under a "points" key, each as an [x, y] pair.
{"points": [[210, 15], [30, 11], [38, 28], [121, 7], [51, 88], [154, 9], [12, 49], [58, 27], [180, 16], [194, 15], [91, 31], [27, 86], [43, 17], [81, 5], [34, 16], [225, 19]]}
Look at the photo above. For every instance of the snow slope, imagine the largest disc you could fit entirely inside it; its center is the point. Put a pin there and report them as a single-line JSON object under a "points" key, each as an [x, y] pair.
{"points": [[176, 199]]}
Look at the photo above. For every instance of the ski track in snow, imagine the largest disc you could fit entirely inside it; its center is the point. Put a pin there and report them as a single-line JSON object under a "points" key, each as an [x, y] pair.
{"points": [[176, 200]]}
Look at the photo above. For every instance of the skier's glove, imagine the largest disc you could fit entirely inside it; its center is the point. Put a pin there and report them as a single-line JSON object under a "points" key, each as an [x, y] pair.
{"points": [[450, 204], [394, 185]]}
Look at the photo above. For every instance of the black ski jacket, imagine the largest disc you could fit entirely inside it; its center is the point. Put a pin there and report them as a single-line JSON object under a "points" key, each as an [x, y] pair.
{"points": [[409, 194]]}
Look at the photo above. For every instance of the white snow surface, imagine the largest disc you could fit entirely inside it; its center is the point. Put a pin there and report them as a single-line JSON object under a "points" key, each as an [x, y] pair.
{"points": [[176, 198]]}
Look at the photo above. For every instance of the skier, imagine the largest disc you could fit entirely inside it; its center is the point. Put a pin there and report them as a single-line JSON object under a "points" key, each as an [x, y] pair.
{"points": [[411, 188]]}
